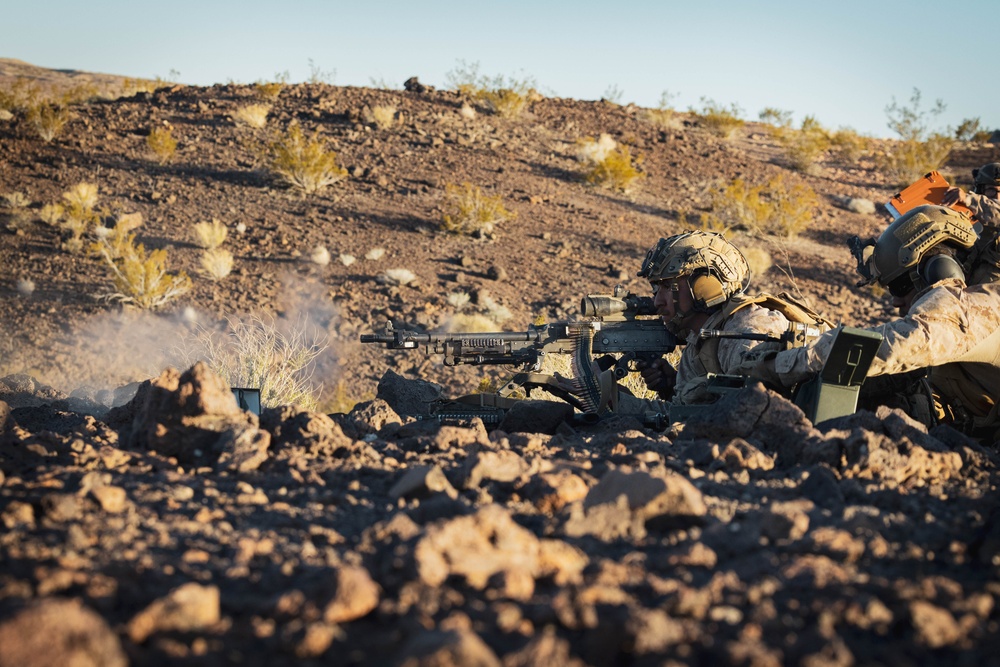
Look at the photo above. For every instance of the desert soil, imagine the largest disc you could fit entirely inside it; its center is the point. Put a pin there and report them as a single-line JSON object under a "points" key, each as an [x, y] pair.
{"points": [[173, 527]]}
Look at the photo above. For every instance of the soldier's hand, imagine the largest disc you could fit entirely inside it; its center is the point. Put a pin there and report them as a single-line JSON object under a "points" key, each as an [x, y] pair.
{"points": [[955, 196], [660, 377]]}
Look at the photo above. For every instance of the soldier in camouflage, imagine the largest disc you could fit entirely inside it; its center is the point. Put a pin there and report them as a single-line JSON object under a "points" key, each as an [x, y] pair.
{"points": [[950, 327], [984, 202], [699, 280]]}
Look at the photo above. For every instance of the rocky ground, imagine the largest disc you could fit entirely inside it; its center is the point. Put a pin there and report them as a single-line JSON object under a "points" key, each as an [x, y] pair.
{"points": [[175, 528]]}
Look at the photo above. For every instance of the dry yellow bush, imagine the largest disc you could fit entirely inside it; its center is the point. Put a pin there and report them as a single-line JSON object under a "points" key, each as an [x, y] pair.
{"points": [[210, 235], [142, 279], [48, 119], [906, 161], [848, 146], [303, 163], [51, 214], [805, 146], [161, 141], [269, 90], [504, 102], [382, 116], [615, 172], [718, 119], [775, 207], [253, 115], [216, 263], [468, 211]]}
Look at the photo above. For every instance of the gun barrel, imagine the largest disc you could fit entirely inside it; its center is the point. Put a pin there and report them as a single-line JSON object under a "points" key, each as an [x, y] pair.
{"points": [[705, 334]]}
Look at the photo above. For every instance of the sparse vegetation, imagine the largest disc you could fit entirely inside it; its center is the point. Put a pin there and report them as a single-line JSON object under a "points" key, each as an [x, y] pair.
{"points": [[759, 260], [400, 277], [919, 149], [607, 165], [162, 143], [664, 115], [775, 207], [216, 263], [210, 235], [271, 90], [381, 116], [303, 163], [613, 94], [274, 354], [467, 210], [51, 214], [804, 146], [320, 256], [47, 119], [252, 115], [506, 97], [718, 119], [776, 117], [80, 214], [141, 279]]}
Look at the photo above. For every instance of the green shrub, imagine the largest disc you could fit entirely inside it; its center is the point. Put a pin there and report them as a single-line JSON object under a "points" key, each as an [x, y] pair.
{"points": [[303, 163], [468, 211]]}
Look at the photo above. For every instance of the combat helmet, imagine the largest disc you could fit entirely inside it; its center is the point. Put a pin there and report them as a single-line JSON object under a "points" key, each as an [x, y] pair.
{"points": [[908, 254], [699, 254], [987, 176]]}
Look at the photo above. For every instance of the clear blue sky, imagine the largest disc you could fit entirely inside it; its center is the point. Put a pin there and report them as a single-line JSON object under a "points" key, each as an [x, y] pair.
{"points": [[840, 61]]}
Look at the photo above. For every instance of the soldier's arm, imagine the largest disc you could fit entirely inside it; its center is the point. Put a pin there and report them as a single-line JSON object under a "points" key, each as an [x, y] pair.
{"points": [[733, 353]]}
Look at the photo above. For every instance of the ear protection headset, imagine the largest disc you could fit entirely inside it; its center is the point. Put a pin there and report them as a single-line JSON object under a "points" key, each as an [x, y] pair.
{"points": [[708, 291], [940, 267]]}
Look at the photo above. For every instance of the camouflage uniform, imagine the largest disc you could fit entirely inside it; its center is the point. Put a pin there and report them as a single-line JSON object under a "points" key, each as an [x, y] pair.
{"points": [[951, 328], [985, 259], [733, 355]]}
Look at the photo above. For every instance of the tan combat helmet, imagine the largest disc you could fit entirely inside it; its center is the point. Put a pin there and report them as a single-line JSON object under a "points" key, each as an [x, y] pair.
{"points": [[718, 269], [987, 176], [907, 254]]}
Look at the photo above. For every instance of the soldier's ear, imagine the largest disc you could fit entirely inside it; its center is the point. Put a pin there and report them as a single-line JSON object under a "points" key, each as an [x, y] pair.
{"points": [[708, 291], [940, 267]]}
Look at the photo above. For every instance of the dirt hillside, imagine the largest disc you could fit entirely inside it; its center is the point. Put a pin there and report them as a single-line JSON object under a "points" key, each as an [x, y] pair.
{"points": [[175, 527]]}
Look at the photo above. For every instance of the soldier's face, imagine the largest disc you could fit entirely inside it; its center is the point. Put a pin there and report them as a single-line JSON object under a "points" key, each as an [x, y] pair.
{"points": [[671, 297], [992, 193]]}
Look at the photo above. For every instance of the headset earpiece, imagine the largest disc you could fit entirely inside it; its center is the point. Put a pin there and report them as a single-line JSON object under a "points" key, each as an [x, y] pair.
{"points": [[940, 267], [708, 291]]}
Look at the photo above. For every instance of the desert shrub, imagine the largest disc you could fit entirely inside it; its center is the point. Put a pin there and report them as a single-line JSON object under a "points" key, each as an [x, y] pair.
{"points": [[382, 116], [113, 242], [664, 115], [51, 214], [458, 300], [341, 400], [613, 94], [16, 200], [775, 207], [967, 129], [776, 117], [271, 90], [216, 263], [467, 210], [919, 150], [805, 146], [210, 235], [615, 172], [252, 115], [20, 95], [759, 260], [848, 146], [303, 163], [400, 277], [506, 97], [346, 259], [606, 164], [162, 143], [47, 119], [275, 355], [141, 279], [375, 254], [718, 119], [80, 214]]}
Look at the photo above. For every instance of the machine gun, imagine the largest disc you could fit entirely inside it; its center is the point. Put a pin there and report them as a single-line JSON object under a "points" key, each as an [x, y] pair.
{"points": [[622, 328]]}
